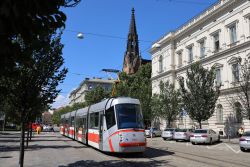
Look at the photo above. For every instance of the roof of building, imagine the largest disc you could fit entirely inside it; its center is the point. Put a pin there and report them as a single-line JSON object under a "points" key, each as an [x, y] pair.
{"points": [[94, 80], [201, 16]]}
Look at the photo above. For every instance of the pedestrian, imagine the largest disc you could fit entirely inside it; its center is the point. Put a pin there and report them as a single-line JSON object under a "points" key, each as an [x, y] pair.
{"points": [[151, 132], [240, 131], [38, 129]]}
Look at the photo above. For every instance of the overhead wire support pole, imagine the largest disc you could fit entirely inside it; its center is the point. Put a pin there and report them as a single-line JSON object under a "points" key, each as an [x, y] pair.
{"points": [[108, 71]]}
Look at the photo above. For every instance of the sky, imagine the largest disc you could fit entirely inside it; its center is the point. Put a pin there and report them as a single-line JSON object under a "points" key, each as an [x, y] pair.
{"points": [[105, 26]]}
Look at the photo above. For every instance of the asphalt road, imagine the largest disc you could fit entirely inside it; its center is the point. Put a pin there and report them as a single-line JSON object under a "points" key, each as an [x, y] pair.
{"points": [[53, 150]]}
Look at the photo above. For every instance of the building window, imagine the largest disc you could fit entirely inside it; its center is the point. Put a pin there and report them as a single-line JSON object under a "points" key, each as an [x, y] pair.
{"points": [[232, 33], [219, 113], [235, 72], [216, 42], [160, 64], [238, 112], [218, 76], [179, 59], [190, 54], [202, 49]]}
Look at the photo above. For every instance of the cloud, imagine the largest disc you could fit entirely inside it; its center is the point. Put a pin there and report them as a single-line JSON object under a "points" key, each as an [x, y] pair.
{"points": [[60, 101]]}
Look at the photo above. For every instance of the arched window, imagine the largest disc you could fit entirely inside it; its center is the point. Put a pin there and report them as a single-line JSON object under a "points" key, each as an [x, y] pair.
{"points": [[238, 112], [160, 64], [219, 113]]}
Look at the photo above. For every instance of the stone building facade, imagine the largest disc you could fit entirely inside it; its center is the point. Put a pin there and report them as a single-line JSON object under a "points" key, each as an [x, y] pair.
{"points": [[78, 95], [217, 37]]}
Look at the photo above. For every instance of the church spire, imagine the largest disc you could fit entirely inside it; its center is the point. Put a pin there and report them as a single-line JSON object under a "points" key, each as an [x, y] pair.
{"points": [[132, 59], [132, 28]]}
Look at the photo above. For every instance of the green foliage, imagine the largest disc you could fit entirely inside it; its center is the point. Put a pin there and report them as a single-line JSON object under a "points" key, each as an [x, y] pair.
{"points": [[56, 117], [138, 86], [170, 102], [96, 95], [35, 86], [200, 94], [242, 89]]}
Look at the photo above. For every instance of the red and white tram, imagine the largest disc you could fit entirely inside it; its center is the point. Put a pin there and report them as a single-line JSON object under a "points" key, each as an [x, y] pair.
{"points": [[113, 125]]}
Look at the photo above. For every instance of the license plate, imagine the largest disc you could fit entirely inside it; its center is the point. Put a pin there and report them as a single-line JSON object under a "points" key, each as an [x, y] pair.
{"points": [[197, 136]]}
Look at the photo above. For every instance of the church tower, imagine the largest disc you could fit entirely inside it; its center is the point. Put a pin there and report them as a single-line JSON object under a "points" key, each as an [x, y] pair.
{"points": [[132, 59]]}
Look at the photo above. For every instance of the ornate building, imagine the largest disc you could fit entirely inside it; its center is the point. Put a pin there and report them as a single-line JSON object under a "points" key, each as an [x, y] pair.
{"points": [[132, 59], [217, 37]]}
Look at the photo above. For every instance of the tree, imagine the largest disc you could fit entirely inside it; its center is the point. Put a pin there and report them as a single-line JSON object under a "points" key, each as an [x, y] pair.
{"points": [[241, 94], [35, 86], [56, 117], [156, 108], [170, 102], [201, 94], [96, 95], [138, 86]]}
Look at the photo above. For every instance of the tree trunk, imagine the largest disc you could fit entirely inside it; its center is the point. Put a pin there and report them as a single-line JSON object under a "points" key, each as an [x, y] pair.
{"points": [[169, 122], [200, 125], [21, 155], [27, 137], [30, 130]]}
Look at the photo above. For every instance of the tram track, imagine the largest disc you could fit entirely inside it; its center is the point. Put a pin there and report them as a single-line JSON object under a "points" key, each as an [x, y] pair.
{"points": [[192, 157]]}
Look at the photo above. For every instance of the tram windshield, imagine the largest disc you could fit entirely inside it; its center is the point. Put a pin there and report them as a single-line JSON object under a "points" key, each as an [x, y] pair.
{"points": [[129, 116]]}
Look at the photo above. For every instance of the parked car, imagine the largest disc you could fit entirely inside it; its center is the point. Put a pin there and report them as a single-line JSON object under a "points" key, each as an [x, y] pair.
{"points": [[156, 132], [204, 136], [182, 134], [168, 133], [244, 141], [48, 128]]}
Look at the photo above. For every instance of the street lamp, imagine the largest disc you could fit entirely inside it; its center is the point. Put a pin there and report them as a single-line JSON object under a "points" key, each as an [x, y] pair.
{"points": [[80, 35]]}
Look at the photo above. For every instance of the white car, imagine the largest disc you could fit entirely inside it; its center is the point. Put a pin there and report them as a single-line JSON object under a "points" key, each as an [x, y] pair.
{"points": [[207, 136], [245, 141], [168, 133], [182, 134], [156, 132]]}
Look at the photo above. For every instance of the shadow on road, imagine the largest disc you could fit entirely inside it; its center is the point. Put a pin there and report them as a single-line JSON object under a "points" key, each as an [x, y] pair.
{"points": [[115, 163], [149, 153]]}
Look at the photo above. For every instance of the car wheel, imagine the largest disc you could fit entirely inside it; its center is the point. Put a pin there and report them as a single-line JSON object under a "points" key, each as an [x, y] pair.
{"points": [[218, 139], [242, 149], [164, 139], [193, 143], [211, 141]]}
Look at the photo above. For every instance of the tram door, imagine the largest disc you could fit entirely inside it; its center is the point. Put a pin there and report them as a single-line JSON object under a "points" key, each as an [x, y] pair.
{"points": [[101, 130], [84, 129]]}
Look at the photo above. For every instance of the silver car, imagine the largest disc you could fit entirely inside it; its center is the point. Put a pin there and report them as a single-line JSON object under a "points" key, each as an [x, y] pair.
{"points": [[204, 136], [168, 133], [182, 134], [155, 132], [245, 141]]}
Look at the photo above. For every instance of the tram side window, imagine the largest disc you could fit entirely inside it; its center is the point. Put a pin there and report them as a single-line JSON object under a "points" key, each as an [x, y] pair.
{"points": [[84, 122], [94, 120], [72, 121], [110, 117], [79, 122]]}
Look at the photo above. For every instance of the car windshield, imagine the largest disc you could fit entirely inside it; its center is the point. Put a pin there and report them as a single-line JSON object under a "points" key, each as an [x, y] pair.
{"points": [[246, 133], [129, 116], [180, 130], [200, 131], [169, 130]]}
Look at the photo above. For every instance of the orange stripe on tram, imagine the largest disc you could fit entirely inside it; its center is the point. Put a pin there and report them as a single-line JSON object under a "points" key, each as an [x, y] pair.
{"points": [[125, 144], [94, 137]]}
